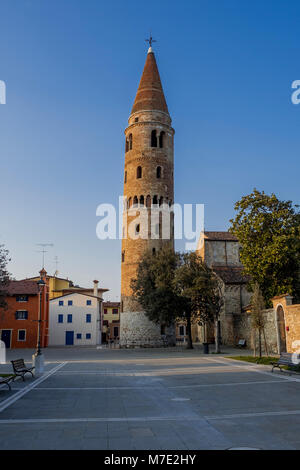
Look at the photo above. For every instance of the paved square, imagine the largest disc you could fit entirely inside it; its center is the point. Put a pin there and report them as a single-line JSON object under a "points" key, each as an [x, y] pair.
{"points": [[149, 399]]}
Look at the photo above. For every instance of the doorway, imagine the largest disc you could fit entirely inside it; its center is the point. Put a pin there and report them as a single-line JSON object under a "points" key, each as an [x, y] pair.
{"points": [[281, 330], [6, 338], [69, 338]]}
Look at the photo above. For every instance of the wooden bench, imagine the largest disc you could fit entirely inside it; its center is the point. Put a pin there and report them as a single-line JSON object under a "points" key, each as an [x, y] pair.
{"points": [[285, 360], [20, 368], [6, 380]]}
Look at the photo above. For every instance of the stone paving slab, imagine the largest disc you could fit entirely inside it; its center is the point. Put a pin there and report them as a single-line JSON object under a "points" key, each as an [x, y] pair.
{"points": [[150, 399]]}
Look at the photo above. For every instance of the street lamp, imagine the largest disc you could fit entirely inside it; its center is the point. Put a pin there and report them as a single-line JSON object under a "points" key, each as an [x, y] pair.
{"points": [[38, 357], [41, 284]]}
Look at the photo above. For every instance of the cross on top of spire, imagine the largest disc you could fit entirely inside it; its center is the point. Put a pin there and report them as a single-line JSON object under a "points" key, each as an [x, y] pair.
{"points": [[150, 40]]}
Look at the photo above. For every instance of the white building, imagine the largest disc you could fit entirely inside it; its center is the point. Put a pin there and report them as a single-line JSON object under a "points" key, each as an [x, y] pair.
{"points": [[75, 319]]}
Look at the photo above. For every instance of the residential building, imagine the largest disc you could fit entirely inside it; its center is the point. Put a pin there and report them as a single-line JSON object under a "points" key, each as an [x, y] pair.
{"points": [[75, 318], [56, 285], [111, 321], [19, 322]]}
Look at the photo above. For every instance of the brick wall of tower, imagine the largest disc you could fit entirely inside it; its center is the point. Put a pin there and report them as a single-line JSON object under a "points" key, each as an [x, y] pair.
{"points": [[148, 158], [145, 193]]}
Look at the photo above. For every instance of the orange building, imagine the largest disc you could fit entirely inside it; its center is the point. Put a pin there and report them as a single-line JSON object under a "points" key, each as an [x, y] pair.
{"points": [[19, 321]]}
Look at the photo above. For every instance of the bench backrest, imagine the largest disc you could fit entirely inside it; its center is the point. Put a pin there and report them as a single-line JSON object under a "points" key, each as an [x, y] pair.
{"points": [[18, 364]]}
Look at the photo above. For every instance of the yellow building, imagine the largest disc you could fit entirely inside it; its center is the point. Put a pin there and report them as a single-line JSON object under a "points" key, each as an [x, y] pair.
{"points": [[111, 321], [56, 285]]}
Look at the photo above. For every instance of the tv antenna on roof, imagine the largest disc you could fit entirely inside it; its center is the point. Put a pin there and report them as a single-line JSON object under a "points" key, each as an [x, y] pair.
{"points": [[44, 245], [56, 265]]}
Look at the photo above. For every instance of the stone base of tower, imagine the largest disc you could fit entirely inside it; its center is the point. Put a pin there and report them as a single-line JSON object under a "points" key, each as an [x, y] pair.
{"points": [[136, 330]]}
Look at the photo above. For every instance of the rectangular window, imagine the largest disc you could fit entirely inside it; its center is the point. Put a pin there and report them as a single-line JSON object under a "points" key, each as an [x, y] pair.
{"points": [[60, 303], [89, 302], [21, 335], [21, 315], [88, 318], [105, 310], [22, 298], [70, 302], [78, 336], [116, 331], [88, 336], [181, 330], [70, 318], [115, 311], [60, 318]]}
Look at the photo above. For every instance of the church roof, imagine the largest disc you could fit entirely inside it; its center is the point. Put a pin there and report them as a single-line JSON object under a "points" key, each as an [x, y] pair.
{"points": [[220, 236], [231, 274], [150, 95]]}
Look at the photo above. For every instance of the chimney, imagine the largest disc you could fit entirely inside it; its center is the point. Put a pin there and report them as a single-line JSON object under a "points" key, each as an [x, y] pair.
{"points": [[96, 288]]}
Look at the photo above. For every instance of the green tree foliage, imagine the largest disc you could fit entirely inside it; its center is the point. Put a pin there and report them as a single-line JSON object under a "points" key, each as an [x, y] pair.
{"points": [[4, 276], [172, 286], [153, 287], [269, 233]]}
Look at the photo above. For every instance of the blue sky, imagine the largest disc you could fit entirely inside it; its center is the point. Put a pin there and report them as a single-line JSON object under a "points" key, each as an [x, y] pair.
{"points": [[72, 68]]}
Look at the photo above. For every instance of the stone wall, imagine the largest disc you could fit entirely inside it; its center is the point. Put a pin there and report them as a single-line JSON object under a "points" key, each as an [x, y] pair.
{"points": [[291, 321], [138, 331]]}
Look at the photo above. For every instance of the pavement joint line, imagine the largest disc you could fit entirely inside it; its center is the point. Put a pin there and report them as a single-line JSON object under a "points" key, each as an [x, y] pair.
{"points": [[254, 368], [167, 388], [9, 401], [253, 415], [149, 418]]}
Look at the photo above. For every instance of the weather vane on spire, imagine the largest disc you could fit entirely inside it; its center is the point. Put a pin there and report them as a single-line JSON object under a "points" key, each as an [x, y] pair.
{"points": [[150, 40]]}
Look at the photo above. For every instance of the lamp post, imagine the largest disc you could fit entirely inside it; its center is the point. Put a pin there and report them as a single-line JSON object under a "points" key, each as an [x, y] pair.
{"points": [[38, 357]]}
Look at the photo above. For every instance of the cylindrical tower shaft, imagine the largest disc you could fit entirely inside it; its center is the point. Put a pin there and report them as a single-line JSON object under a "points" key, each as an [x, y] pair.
{"points": [[148, 187]]}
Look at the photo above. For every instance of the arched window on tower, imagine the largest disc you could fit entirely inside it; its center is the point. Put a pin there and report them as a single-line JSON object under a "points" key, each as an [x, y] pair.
{"points": [[142, 200], [139, 172], [153, 139], [135, 201], [126, 145], [155, 201], [129, 202], [137, 229], [161, 201], [123, 256], [130, 141], [158, 172], [161, 139]]}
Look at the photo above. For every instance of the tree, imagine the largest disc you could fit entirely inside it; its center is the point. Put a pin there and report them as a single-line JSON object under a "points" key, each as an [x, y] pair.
{"points": [[269, 233], [170, 286], [197, 287], [4, 276], [153, 287], [257, 317]]}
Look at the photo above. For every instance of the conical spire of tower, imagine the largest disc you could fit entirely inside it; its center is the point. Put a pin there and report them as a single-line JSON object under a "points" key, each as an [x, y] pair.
{"points": [[150, 95]]}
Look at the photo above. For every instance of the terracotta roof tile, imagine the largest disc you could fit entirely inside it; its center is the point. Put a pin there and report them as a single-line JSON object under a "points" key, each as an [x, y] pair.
{"points": [[150, 95], [22, 287], [220, 236]]}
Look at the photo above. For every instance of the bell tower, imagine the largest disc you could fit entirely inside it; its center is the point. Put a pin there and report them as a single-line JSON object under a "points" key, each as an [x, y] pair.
{"points": [[148, 187]]}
